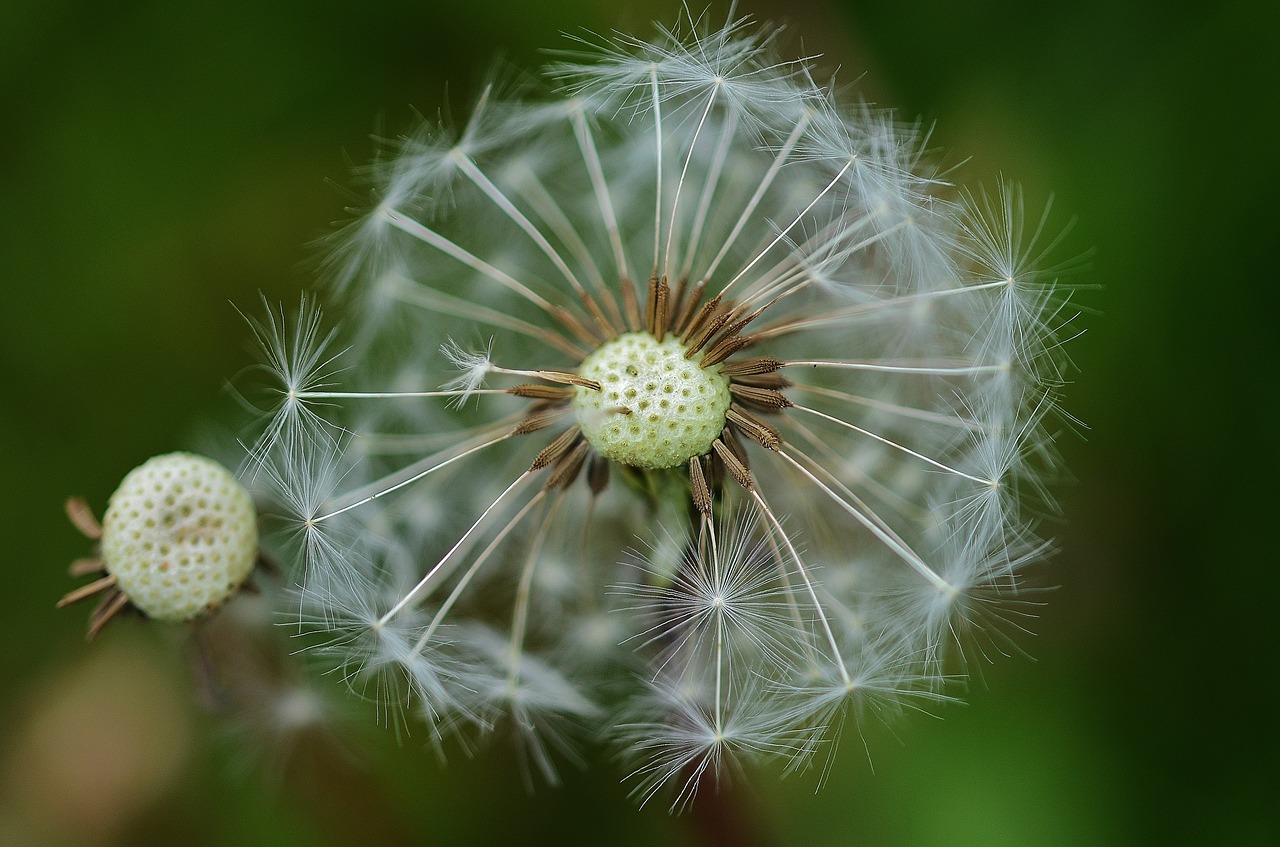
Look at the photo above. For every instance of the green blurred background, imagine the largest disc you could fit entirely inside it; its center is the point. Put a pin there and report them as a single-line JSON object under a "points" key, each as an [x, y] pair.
{"points": [[160, 161]]}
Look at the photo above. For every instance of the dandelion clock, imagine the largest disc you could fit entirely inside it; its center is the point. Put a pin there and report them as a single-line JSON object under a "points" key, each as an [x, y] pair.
{"points": [[678, 401]]}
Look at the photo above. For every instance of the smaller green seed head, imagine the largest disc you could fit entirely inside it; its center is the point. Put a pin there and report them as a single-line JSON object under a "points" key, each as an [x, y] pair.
{"points": [[676, 408], [180, 535]]}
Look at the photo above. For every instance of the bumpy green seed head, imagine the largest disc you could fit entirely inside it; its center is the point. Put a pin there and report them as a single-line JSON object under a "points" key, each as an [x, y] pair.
{"points": [[655, 409], [180, 535]]}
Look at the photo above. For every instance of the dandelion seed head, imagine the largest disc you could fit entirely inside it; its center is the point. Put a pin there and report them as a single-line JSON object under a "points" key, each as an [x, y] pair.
{"points": [[179, 536], [746, 326]]}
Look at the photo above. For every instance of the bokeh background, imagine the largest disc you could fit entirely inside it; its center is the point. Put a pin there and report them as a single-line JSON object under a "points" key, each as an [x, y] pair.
{"points": [[161, 161]]}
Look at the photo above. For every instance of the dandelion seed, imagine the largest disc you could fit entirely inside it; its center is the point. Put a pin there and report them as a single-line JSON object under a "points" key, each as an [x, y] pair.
{"points": [[474, 367], [738, 318]]}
